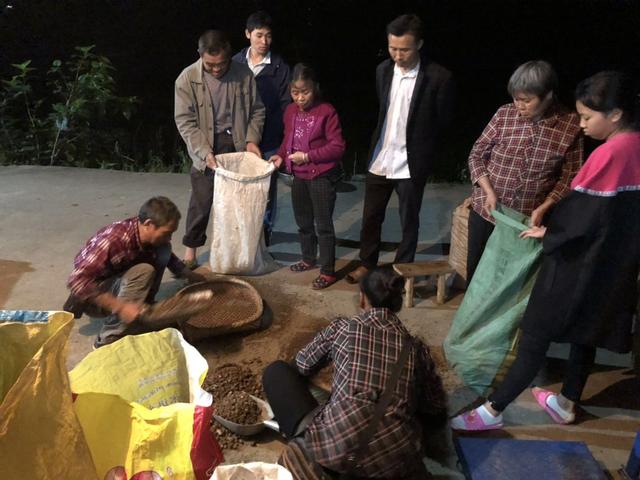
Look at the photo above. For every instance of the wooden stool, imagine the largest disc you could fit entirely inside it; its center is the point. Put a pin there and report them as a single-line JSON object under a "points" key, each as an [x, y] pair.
{"points": [[409, 271]]}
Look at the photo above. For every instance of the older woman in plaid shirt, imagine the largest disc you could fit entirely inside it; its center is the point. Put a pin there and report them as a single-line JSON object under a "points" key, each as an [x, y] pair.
{"points": [[526, 156], [364, 350]]}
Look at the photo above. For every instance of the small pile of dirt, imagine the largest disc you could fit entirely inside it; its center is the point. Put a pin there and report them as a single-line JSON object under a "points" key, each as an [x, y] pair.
{"points": [[232, 377], [227, 440], [238, 407]]}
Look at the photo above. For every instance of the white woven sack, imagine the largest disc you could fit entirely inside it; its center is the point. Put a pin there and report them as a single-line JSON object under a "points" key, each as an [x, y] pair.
{"points": [[239, 202], [251, 471]]}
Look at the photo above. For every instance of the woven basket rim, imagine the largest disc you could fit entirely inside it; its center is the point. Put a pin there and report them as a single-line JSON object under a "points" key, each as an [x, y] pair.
{"points": [[253, 294]]}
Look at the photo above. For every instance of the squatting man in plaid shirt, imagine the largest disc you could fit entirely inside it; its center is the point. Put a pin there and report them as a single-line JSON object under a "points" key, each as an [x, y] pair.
{"points": [[526, 156], [121, 267]]}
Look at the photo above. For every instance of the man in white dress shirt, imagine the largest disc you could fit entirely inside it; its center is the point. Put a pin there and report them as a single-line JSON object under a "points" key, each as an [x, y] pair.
{"points": [[415, 104]]}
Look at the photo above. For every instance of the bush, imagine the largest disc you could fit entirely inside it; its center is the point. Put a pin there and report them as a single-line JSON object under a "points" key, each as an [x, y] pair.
{"points": [[79, 122]]}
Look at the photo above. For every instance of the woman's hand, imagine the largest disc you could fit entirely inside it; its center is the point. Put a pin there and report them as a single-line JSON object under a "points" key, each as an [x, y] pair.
{"points": [[491, 202], [534, 232], [276, 160], [538, 214], [299, 158]]}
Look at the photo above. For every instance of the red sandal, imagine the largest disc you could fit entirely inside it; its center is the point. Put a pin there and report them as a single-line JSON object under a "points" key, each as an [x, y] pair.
{"points": [[323, 281], [301, 266]]}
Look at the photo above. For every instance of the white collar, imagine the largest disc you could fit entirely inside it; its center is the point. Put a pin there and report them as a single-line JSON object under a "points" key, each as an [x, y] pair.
{"points": [[409, 73], [265, 61]]}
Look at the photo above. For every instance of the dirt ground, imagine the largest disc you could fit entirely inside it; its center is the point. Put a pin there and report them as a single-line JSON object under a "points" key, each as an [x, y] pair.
{"points": [[47, 214], [294, 313]]}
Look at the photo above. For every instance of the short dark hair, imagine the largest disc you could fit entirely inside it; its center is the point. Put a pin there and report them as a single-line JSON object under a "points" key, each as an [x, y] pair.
{"points": [[302, 71], [214, 42], [383, 288], [160, 210], [259, 19], [608, 90], [407, 23]]}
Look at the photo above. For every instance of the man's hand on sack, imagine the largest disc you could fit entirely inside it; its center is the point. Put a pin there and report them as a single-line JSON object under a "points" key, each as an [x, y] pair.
{"points": [[253, 148], [210, 160]]}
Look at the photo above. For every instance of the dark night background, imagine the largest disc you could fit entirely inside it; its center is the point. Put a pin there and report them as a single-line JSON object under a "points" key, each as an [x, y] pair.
{"points": [[150, 42]]}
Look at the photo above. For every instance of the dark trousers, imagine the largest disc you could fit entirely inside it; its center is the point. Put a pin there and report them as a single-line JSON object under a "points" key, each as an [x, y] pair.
{"points": [[530, 358], [202, 197], [377, 193], [479, 231], [272, 201], [313, 204], [289, 396]]}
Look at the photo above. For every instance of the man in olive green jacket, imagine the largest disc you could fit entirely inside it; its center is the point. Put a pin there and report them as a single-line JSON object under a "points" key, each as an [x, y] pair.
{"points": [[217, 110]]}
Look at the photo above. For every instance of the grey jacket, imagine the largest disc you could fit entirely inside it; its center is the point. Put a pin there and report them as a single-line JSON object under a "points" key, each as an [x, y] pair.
{"points": [[194, 110]]}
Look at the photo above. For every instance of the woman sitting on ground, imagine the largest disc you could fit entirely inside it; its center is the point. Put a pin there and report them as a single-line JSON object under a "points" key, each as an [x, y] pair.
{"points": [[586, 291], [364, 350]]}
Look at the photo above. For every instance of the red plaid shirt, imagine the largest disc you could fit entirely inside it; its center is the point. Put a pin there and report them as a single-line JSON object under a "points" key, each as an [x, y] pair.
{"points": [[526, 162], [364, 350], [112, 251]]}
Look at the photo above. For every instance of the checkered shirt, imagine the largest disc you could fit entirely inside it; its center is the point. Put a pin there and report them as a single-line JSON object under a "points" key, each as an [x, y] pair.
{"points": [[364, 350], [112, 251], [526, 162]]}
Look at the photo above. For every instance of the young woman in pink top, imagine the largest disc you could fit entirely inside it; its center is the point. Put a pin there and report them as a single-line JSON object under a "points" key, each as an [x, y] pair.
{"points": [[312, 150], [586, 292]]}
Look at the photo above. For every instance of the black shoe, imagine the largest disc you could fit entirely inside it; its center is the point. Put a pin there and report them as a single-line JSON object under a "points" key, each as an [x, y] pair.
{"points": [[74, 305]]}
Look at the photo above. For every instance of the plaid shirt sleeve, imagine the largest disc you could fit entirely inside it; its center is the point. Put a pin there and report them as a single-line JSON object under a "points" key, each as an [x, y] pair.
{"points": [[317, 353], [570, 167], [481, 150], [89, 265]]}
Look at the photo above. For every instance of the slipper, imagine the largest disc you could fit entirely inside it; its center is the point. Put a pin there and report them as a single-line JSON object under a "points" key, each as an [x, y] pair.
{"points": [[301, 266], [477, 420], [323, 281], [542, 397], [191, 264], [357, 274]]}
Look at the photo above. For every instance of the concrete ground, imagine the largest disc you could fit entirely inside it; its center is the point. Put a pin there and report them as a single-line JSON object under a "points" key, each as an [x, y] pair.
{"points": [[47, 214]]}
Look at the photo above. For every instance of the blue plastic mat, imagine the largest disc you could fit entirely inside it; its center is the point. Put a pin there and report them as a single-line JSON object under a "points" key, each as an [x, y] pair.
{"points": [[496, 459], [24, 316]]}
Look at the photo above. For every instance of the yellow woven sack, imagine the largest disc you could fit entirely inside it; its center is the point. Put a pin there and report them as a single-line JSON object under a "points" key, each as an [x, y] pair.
{"points": [[40, 435], [142, 408]]}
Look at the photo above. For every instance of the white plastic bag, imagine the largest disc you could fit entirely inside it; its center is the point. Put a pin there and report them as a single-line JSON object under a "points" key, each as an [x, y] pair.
{"points": [[239, 202], [252, 471]]}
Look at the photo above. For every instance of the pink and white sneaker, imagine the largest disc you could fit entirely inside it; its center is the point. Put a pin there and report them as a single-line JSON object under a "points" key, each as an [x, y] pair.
{"points": [[477, 420], [549, 402]]}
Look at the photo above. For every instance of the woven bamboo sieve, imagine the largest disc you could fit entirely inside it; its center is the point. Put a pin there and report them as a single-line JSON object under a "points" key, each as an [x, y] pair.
{"points": [[236, 306], [459, 233]]}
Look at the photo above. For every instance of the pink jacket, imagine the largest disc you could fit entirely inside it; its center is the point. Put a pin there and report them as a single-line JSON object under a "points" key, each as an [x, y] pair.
{"points": [[325, 143]]}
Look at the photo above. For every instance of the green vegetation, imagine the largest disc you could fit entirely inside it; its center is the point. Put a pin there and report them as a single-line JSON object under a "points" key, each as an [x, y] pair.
{"points": [[70, 115]]}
